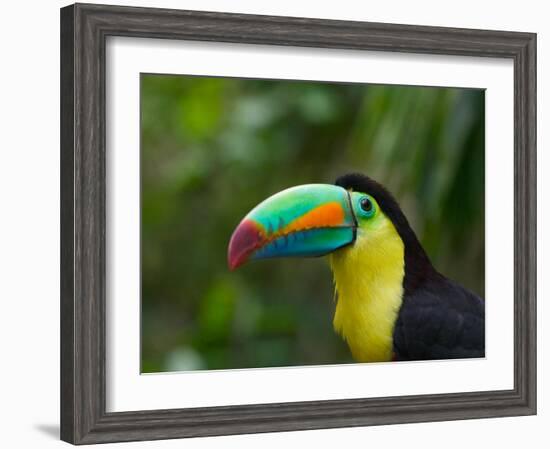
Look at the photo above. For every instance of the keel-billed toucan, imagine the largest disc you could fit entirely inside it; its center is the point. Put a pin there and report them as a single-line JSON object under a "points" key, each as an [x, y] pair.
{"points": [[392, 303]]}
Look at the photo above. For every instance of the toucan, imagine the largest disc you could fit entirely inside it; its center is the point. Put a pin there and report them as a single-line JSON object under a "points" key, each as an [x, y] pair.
{"points": [[392, 304]]}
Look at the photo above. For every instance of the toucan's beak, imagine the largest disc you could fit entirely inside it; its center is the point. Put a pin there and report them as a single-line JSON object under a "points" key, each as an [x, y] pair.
{"points": [[304, 221]]}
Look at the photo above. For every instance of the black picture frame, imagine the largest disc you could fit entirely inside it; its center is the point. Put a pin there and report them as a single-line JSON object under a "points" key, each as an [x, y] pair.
{"points": [[84, 29]]}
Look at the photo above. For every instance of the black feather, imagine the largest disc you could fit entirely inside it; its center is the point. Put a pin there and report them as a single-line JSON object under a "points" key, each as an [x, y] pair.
{"points": [[441, 320], [438, 319]]}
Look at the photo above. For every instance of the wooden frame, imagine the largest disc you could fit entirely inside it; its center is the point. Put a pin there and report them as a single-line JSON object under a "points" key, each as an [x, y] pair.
{"points": [[84, 29]]}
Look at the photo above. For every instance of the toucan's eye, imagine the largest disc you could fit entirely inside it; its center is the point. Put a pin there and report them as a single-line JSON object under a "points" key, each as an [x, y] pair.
{"points": [[366, 205]]}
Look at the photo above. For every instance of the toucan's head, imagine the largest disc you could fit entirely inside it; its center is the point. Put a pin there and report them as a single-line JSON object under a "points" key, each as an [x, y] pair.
{"points": [[318, 219]]}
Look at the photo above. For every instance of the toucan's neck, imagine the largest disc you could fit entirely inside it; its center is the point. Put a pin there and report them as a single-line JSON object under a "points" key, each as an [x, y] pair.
{"points": [[369, 278], [418, 267]]}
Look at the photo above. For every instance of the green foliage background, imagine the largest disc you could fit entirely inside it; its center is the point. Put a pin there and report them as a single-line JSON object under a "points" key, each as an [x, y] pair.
{"points": [[212, 148]]}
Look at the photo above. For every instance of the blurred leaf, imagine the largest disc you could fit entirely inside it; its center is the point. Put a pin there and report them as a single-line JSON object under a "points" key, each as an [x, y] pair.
{"points": [[184, 359], [216, 310]]}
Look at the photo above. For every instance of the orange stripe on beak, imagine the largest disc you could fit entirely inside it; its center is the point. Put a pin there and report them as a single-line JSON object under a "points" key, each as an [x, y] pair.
{"points": [[330, 214]]}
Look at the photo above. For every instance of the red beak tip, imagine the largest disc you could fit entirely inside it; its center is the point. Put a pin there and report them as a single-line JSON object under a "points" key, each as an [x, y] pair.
{"points": [[232, 265], [243, 242], [235, 258]]}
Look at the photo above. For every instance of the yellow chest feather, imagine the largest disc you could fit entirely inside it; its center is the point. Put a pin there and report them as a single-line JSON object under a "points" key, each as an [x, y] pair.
{"points": [[368, 278]]}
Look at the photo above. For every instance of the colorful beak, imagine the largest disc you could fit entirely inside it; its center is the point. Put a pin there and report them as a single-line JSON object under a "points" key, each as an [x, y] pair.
{"points": [[304, 221]]}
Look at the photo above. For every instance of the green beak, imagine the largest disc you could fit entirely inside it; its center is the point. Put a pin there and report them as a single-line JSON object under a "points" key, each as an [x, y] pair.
{"points": [[304, 221]]}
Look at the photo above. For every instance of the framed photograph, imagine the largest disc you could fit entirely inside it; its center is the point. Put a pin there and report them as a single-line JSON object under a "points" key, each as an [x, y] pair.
{"points": [[275, 223]]}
